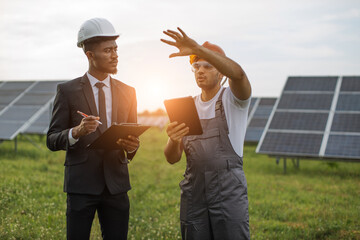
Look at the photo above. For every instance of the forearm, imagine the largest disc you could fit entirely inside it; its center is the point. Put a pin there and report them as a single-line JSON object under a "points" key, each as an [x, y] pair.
{"points": [[173, 151], [223, 64], [238, 80]]}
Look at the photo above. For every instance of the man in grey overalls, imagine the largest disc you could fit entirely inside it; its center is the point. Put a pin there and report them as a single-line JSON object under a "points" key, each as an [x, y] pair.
{"points": [[214, 203]]}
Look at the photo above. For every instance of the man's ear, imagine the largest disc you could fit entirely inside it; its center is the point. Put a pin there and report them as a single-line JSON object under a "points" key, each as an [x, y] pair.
{"points": [[90, 55]]}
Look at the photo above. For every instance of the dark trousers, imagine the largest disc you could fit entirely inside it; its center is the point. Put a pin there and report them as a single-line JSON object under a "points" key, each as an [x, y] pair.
{"points": [[113, 213]]}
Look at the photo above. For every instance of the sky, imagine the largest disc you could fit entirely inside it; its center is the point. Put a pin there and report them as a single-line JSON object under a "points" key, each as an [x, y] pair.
{"points": [[271, 40]]}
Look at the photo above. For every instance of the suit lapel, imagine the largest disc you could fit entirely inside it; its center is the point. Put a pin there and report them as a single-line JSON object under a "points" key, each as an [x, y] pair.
{"points": [[120, 102], [114, 99], [89, 95]]}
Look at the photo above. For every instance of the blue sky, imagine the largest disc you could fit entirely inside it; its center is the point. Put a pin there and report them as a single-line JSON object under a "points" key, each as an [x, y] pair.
{"points": [[271, 40]]}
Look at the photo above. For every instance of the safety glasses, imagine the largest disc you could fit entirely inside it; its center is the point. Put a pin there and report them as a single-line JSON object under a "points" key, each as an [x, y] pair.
{"points": [[196, 66]]}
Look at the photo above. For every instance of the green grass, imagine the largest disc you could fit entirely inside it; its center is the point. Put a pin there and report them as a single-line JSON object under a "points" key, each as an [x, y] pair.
{"points": [[319, 201]]}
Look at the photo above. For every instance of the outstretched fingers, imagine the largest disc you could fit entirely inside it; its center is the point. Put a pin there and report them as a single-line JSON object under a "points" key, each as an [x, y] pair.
{"points": [[182, 32], [178, 35], [175, 55], [168, 42], [171, 34]]}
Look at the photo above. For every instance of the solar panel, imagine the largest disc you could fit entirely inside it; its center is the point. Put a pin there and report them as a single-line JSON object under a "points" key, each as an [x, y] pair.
{"points": [[7, 132], [35, 98], [267, 102], [22, 103], [253, 134], [316, 117], [45, 86], [7, 96], [310, 84], [40, 124], [348, 102], [312, 101], [156, 121], [18, 113], [299, 121], [346, 122], [16, 85], [292, 143], [252, 103], [341, 146], [258, 123], [350, 84], [259, 112]]}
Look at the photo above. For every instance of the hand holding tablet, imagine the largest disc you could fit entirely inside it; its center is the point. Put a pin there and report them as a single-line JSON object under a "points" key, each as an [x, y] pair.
{"points": [[183, 110]]}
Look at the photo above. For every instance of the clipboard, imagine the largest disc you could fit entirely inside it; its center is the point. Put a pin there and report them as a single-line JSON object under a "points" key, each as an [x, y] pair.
{"points": [[109, 138], [183, 110]]}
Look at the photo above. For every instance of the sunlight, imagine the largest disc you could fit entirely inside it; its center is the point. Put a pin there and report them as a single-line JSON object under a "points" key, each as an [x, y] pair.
{"points": [[151, 95]]}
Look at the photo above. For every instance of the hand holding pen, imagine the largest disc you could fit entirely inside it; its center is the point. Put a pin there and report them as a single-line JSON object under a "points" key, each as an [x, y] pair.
{"points": [[87, 125], [85, 116]]}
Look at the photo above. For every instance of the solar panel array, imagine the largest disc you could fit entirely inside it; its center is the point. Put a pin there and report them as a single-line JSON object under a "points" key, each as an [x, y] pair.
{"points": [[22, 103], [259, 112], [156, 121], [316, 117]]}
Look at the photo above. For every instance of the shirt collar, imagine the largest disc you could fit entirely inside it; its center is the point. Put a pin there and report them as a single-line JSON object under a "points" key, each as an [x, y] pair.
{"points": [[214, 97], [94, 80]]}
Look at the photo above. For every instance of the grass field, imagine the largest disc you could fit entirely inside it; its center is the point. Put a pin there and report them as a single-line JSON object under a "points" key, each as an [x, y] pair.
{"points": [[318, 201]]}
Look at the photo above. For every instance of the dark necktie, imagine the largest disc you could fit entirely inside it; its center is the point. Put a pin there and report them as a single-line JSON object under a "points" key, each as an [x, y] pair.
{"points": [[102, 106]]}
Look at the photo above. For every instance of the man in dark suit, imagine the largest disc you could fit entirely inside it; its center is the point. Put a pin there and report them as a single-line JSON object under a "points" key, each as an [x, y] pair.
{"points": [[95, 180]]}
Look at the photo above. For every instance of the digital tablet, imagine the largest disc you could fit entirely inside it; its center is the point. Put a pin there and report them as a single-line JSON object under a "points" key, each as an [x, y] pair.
{"points": [[183, 110], [109, 138]]}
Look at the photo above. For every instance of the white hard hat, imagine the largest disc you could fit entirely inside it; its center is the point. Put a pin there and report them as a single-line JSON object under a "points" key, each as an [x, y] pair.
{"points": [[95, 27]]}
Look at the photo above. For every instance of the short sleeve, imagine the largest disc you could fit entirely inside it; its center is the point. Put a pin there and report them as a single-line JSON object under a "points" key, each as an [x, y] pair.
{"points": [[242, 104]]}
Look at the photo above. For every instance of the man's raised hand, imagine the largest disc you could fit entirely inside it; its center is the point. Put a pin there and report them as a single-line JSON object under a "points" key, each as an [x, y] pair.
{"points": [[186, 45]]}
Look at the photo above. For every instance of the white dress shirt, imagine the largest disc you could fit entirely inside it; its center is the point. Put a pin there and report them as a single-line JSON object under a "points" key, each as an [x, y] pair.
{"points": [[108, 100]]}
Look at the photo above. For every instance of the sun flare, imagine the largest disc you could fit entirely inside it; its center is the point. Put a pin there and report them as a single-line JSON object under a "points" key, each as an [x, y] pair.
{"points": [[151, 95]]}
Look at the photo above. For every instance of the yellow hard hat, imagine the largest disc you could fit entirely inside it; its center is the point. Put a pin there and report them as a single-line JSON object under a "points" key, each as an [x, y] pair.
{"points": [[213, 47]]}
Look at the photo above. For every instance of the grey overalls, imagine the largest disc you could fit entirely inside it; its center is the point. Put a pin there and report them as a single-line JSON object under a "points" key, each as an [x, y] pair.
{"points": [[214, 203]]}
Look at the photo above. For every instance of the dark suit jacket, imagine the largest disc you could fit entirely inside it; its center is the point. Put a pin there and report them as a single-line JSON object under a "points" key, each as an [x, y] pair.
{"points": [[88, 170]]}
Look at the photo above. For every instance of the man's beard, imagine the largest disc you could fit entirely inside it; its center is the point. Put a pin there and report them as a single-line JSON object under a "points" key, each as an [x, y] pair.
{"points": [[113, 71], [108, 70]]}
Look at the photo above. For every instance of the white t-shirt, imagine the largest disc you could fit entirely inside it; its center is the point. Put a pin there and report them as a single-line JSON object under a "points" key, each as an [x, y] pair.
{"points": [[236, 112]]}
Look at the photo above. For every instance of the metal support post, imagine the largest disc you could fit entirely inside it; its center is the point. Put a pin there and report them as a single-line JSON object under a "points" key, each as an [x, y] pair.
{"points": [[15, 142]]}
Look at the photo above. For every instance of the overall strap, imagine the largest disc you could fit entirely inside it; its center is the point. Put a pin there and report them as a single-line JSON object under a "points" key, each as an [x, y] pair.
{"points": [[220, 112]]}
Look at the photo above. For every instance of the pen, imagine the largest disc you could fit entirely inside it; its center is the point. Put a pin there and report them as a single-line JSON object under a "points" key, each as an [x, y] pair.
{"points": [[85, 115]]}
